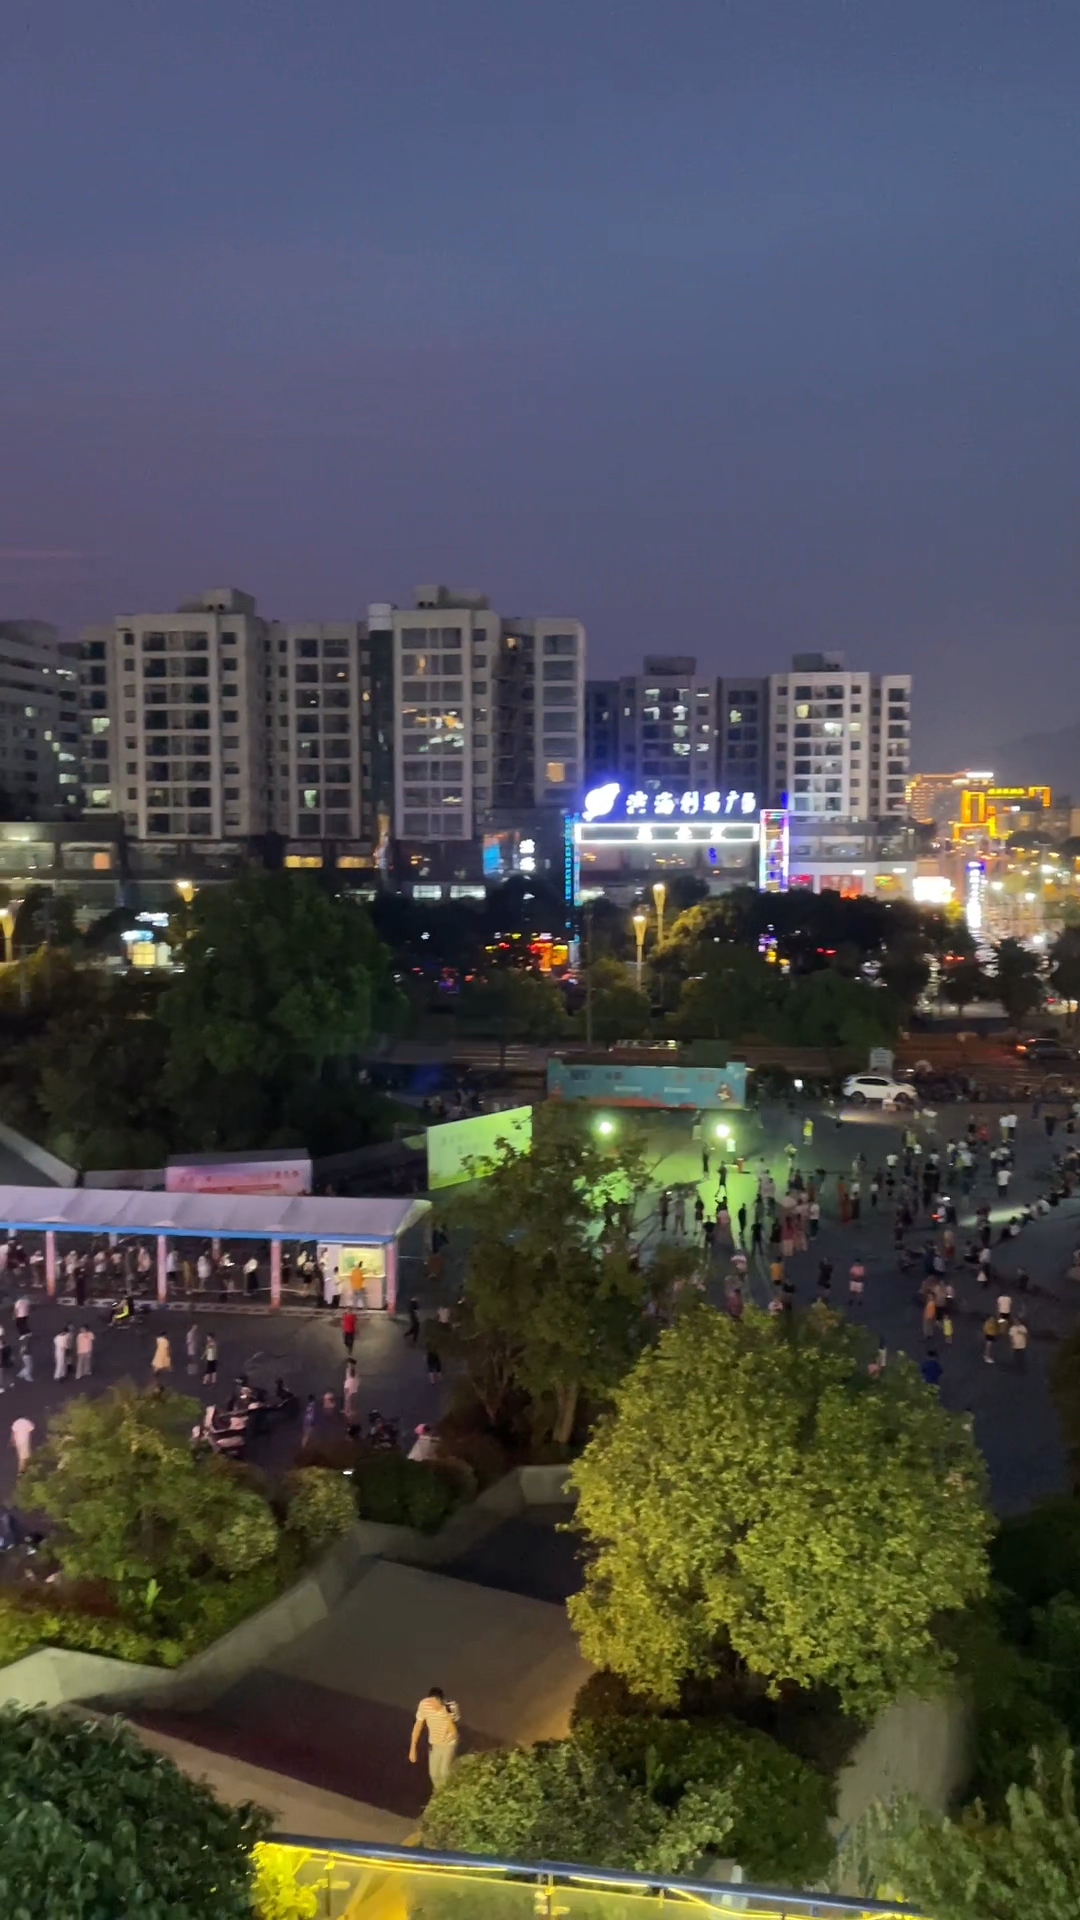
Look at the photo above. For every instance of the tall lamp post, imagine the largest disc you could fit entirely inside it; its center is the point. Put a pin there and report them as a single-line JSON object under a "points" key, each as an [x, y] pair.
{"points": [[640, 923], [659, 894]]}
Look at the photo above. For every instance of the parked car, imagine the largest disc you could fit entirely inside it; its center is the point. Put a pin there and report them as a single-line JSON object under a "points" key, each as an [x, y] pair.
{"points": [[1042, 1047], [864, 1089]]}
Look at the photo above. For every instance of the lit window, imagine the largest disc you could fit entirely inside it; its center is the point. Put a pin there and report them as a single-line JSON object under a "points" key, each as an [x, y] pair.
{"points": [[735, 716], [555, 772]]}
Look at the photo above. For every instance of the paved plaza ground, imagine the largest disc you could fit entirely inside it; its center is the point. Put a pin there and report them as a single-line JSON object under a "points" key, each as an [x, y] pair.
{"points": [[1014, 1422]]}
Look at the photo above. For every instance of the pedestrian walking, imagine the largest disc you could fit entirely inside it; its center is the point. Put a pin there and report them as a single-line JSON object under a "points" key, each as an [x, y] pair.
{"points": [[22, 1317], [679, 1214], [757, 1235], [824, 1279], [210, 1361], [991, 1331], [741, 1218], [191, 1349], [6, 1361], [856, 1284], [813, 1214], [161, 1363], [348, 1329], [22, 1433], [412, 1331], [26, 1360], [308, 1417], [438, 1717], [705, 1160], [84, 1352], [1018, 1339], [699, 1214], [929, 1317], [434, 1366], [663, 1209], [351, 1395], [61, 1347], [1004, 1305], [808, 1132], [946, 1324]]}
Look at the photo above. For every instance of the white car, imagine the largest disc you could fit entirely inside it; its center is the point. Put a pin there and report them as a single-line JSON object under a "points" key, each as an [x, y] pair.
{"points": [[862, 1088]]}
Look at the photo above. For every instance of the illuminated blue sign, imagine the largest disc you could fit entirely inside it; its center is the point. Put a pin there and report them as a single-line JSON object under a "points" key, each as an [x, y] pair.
{"points": [[609, 802]]}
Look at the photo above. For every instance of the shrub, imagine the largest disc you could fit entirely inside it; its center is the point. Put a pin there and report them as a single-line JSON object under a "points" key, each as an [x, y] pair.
{"points": [[486, 1457], [322, 1506], [781, 1807], [275, 1894], [404, 1493], [558, 1800], [93, 1826]]}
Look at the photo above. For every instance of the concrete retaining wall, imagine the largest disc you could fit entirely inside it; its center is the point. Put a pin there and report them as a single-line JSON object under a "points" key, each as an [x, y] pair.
{"points": [[56, 1171], [55, 1676]]}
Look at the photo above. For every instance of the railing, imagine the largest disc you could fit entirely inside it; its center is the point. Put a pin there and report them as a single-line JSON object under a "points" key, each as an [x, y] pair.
{"points": [[352, 1881]]}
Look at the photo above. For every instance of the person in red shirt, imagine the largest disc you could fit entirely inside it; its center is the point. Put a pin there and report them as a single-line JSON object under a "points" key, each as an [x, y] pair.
{"points": [[348, 1329]]}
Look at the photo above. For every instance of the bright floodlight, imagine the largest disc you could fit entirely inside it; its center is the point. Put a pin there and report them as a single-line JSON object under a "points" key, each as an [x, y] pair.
{"points": [[723, 1133], [605, 1126]]}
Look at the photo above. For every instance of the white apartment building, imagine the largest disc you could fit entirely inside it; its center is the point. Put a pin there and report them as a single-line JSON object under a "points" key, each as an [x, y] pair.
{"points": [[178, 701], [39, 753], [488, 712], [314, 704], [839, 742]]}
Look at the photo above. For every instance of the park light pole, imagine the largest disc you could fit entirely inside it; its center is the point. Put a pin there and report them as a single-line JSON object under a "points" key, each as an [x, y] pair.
{"points": [[640, 924], [659, 894]]}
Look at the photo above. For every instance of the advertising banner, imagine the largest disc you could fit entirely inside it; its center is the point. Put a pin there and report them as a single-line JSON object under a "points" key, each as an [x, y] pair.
{"points": [[454, 1142], [694, 1088]]}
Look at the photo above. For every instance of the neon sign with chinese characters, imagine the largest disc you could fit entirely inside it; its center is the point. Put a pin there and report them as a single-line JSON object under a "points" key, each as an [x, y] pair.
{"points": [[609, 802]]}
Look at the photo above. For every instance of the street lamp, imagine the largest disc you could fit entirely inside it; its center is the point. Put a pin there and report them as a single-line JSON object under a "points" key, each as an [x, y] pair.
{"points": [[186, 890], [659, 894], [640, 923]]}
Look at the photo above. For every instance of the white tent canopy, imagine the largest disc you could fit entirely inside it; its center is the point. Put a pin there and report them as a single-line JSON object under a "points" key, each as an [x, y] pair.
{"points": [[217, 1216]]}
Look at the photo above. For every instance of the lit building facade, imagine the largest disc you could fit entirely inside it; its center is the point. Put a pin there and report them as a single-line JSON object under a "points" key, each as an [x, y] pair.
{"points": [[180, 702], [656, 729], [314, 689], [39, 747], [840, 742]]}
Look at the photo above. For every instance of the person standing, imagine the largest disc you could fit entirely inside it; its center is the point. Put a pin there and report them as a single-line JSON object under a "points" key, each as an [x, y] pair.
{"points": [[931, 1368], [210, 1361], [26, 1360], [84, 1352], [1003, 1177], [679, 1214], [856, 1284], [348, 1329], [412, 1331], [663, 1209], [814, 1217], [434, 1366], [704, 1159], [309, 1417], [6, 1361], [191, 1349], [22, 1317], [440, 1717], [991, 1330], [161, 1363], [22, 1433], [741, 1218], [1018, 1339], [808, 1132]]}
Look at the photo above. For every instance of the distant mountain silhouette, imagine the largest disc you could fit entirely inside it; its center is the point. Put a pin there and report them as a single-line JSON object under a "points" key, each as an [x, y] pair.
{"points": [[1052, 759]]}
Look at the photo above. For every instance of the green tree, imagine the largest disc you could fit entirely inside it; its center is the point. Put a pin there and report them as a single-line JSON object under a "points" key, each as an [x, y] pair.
{"points": [[513, 1003], [552, 1304], [561, 1800], [1025, 1867], [1018, 985], [619, 1011], [94, 1826], [963, 981], [825, 1009], [727, 991], [136, 1510], [1065, 963], [278, 979], [904, 969], [756, 1487]]}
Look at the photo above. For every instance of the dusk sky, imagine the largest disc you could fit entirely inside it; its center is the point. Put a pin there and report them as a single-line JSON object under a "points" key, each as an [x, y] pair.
{"points": [[729, 328]]}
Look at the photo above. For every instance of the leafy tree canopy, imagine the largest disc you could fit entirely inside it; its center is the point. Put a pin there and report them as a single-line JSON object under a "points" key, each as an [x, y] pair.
{"points": [[619, 1011], [552, 1302], [755, 1485], [514, 1003], [275, 975], [93, 1826], [1019, 987], [136, 1510]]}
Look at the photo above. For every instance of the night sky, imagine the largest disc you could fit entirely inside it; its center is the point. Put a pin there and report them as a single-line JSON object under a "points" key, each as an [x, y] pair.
{"points": [[729, 328]]}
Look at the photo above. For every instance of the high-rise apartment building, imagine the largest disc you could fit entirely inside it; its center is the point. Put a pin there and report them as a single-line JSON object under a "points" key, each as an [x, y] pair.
{"points": [[488, 713], [314, 688], [39, 752], [742, 735], [655, 729], [179, 702], [839, 741]]}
